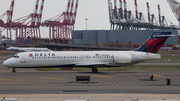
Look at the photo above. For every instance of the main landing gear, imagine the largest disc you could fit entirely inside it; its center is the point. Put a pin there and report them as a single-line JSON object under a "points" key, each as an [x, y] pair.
{"points": [[13, 70], [94, 70]]}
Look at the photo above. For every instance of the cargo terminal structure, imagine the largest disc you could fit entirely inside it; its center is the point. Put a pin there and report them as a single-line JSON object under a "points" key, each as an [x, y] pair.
{"points": [[118, 37]]}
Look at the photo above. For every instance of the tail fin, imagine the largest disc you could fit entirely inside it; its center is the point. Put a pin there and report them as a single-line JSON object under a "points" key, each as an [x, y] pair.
{"points": [[154, 43]]}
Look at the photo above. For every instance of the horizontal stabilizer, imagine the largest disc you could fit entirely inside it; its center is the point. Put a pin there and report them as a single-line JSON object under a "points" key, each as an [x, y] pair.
{"points": [[163, 36]]}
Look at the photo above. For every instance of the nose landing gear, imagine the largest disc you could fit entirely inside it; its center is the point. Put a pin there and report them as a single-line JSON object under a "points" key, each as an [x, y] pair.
{"points": [[13, 70]]}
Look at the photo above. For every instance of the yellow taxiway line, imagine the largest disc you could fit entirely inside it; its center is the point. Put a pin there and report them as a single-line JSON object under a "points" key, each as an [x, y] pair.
{"points": [[112, 86], [102, 76], [52, 78], [159, 75], [48, 85]]}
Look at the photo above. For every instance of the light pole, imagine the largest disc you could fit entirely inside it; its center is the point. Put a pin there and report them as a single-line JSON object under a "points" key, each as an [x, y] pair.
{"points": [[86, 22]]}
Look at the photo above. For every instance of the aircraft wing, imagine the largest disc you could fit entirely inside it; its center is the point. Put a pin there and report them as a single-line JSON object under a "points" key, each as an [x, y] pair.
{"points": [[92, 64]]}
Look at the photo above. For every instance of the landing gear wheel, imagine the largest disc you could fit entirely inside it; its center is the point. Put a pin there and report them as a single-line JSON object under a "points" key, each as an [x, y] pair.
{"points": [[94, 70], [13, 70]]}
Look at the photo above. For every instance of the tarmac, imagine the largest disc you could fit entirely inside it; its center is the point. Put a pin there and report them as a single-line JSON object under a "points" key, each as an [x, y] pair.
{"points": [[135, 84], [94, 97]]}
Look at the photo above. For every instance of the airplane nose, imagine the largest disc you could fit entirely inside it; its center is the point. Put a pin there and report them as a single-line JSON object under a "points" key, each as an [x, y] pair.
{"points": [[6, 63]]}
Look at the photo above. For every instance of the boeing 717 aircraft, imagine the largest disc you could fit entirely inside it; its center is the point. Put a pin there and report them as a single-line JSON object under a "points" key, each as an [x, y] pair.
{"points": [[90, 59]]}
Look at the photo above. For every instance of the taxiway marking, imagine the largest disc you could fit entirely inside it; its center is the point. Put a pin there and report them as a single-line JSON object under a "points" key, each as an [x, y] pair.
{"points": [[112, 86], [102, 76], [48, 85], [159, 75], [52, 78]]}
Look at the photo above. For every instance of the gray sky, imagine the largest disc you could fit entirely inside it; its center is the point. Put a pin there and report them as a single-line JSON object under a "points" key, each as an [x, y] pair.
{"points": [[95, 10]]}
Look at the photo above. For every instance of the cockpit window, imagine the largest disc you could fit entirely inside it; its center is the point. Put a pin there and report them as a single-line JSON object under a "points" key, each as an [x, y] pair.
{"points": [[15, 56]]}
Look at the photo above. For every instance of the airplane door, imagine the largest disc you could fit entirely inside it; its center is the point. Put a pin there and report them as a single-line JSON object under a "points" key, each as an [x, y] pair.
{"points": [[23, 59], [40, 59], [113, 59], [87, 57], [39, 62], [82, 57]]}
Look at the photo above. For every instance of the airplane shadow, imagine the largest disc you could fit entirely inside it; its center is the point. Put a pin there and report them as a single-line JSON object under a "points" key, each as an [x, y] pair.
{"points": [[107, 73]]}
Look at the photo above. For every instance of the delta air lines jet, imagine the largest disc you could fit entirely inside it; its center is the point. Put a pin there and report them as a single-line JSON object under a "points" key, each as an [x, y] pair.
{"points": [[90, 59]]}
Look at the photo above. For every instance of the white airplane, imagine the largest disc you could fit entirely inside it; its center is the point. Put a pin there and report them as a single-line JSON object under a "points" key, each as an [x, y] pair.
{"points": [[25, 49], [90, 59]]}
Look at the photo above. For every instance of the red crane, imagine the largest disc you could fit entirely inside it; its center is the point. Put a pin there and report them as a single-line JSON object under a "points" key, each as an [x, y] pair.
{"points": [[175, 7], [61, 26], [7, 25], [28, 26]]}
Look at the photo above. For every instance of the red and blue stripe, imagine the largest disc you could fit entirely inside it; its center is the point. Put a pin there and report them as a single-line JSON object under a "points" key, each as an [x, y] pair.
{"points": [[153, 44]]}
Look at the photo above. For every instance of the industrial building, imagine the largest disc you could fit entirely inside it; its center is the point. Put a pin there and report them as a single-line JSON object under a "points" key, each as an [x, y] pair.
{"points": [[118, 36]]}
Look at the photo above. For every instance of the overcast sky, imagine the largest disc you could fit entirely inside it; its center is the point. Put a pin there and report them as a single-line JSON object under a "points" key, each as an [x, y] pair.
{"points": [[95, 10]]}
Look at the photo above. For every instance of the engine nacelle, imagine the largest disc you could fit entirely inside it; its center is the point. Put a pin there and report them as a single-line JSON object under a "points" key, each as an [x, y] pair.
{"points": [[126, 58]]}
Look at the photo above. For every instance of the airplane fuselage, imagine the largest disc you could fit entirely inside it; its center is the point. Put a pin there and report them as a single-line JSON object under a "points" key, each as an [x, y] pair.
{"points": [[78, 59]]}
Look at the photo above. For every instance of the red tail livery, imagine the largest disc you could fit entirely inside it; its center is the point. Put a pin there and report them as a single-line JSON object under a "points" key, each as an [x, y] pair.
{"points": [[154, 43]]}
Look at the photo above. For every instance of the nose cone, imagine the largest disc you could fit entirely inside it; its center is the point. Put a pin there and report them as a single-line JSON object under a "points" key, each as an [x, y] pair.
{"points": [[7, 63]]}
